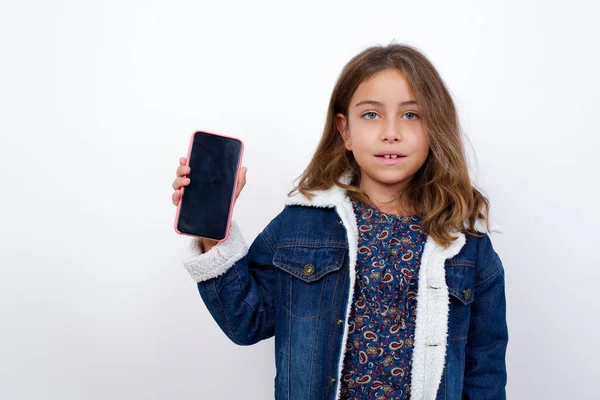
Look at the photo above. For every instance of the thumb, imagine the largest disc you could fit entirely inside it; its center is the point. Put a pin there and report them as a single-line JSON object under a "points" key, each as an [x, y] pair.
{"points": [[241, 182], [243, 171]]}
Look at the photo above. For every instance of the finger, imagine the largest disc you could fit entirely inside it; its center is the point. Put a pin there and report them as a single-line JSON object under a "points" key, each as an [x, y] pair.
{"points": [[179, 182], [182, 160], [176, 196], [241, 179], [243, 176], [241, 182], [183, 170]]}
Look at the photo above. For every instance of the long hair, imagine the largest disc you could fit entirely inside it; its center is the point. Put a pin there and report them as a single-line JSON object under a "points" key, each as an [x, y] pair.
{"points": [[441, 189]]}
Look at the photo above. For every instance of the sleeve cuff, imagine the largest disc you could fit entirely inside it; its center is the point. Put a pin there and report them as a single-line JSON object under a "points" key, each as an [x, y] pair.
{"points": [[216, 261]]}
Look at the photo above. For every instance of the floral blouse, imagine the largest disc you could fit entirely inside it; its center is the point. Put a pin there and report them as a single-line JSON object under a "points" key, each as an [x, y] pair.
{"points": [[378, 357]]}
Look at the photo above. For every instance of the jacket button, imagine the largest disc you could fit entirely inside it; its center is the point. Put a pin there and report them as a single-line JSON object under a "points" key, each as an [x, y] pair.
{"points": [[339, 322], [340, 222], [467, 293], [394, 252], [331, 380], [309, 269]]}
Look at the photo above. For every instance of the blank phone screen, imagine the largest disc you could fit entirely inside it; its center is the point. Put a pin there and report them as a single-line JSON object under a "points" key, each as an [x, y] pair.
{"points": [[206, 201]]}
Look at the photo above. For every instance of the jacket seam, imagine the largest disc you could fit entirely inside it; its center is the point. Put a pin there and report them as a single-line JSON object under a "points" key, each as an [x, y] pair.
{"points": [[240, 281], [290, 278], [246, 301], [289, 364], [312, 357], [489, 276], [270, 241], [222, 309], [312, 244], [460, 263]]}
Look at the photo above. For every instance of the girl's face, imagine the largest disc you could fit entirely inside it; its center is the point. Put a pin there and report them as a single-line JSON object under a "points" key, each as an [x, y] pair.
{"points": [[384, 131]]}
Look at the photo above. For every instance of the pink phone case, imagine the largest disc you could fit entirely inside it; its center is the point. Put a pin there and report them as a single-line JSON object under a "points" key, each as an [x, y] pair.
{"points": [[232, 197]]}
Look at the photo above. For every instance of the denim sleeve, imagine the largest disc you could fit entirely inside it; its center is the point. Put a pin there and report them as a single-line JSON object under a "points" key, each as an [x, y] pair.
{"points": [[485, 366], [237, 285]]}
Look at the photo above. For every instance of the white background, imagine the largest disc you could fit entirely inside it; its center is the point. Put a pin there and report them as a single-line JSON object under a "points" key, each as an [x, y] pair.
{"points": [[98, 101]]}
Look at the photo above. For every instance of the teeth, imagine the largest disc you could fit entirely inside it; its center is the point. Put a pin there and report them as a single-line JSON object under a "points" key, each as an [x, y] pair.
{"points": [[390, 156]]}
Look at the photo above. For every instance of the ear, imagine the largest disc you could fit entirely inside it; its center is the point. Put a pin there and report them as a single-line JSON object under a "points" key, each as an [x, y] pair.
{"points": [[341, 125]]}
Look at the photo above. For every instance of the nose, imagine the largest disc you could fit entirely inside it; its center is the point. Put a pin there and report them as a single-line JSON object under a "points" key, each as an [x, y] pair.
{"points": [[391, 132]]}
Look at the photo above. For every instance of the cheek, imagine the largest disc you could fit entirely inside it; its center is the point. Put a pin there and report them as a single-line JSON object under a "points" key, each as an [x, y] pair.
{"points": [[424, 148], [421, 144], [420, 150], [362, 141]]}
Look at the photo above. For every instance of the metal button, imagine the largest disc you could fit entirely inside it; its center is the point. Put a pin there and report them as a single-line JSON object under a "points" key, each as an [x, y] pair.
{"points": [[340, 222], [394, 252], [331, 380], [467, 293], [309, 269], [339, 322]]}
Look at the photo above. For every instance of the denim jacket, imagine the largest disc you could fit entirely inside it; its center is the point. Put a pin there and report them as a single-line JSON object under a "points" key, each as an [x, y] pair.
{"points": [[296, 282]]}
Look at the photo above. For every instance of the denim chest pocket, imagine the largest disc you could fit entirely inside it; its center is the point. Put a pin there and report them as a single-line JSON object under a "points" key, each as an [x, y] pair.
{"points": [[308, 278], [460, 278]]}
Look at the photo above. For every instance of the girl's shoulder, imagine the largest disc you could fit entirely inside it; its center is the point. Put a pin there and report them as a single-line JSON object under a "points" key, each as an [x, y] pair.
{"points": [[478, 253], [301, 224]]}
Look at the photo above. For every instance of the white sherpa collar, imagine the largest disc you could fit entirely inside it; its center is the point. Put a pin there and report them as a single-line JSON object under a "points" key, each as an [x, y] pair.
{"points": [[432, 295], [335, 196]]}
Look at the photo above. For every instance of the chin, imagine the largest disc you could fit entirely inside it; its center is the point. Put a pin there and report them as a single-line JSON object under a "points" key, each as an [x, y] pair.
{"points": [[393, 181], [389, 177]]}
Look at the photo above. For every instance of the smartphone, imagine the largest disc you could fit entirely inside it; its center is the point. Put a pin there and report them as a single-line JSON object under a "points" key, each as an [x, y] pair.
{"points": [[206, 204]]}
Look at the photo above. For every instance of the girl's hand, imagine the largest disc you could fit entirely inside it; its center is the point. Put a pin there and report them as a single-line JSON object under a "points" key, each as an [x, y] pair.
{"points": [[182, 180]]}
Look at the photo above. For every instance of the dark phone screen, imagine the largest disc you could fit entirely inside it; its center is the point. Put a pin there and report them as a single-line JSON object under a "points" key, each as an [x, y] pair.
{"points": [[205, 204]]}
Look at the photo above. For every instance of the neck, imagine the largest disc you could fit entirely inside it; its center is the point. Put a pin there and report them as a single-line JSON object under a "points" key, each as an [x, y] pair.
{"points": [[385, 196]]}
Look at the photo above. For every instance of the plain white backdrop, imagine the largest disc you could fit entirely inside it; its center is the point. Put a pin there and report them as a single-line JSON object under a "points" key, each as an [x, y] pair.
{"points": [[98, 100]]}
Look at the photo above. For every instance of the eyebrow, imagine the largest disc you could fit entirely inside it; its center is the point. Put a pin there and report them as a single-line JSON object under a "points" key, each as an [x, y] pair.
{"points": [[378, 103]]}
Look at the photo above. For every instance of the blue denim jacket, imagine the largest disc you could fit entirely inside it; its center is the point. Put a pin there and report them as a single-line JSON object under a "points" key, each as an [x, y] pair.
{"points": [[296, 281]]}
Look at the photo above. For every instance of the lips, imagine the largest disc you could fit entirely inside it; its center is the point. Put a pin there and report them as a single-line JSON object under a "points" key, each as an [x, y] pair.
{"points": [[390, 158], [390, 154]]}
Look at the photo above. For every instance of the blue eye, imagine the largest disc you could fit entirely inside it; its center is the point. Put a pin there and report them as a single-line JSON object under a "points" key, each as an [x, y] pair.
{"points": [[370, 113]]}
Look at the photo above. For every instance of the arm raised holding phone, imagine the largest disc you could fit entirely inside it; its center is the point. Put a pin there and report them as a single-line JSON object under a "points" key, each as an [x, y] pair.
{"points": [[236, 281], [181, 181]]}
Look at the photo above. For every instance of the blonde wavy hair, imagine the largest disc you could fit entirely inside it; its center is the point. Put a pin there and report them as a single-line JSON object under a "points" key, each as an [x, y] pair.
{"points": [[441, 189]]}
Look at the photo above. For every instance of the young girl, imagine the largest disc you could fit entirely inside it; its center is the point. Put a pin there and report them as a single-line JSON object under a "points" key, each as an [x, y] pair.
{"points": [[378, 279]]}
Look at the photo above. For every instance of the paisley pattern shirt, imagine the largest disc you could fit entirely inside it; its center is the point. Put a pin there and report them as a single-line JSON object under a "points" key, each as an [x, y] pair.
{"points": [[378, 357]]}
